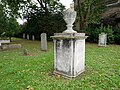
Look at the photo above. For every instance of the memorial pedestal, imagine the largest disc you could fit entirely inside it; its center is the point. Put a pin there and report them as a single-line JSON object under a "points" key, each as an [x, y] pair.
{"points": [[69, 53]]}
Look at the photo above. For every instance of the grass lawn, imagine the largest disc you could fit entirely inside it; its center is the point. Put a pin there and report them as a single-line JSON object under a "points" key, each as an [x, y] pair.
{"points": [[34, 72]]}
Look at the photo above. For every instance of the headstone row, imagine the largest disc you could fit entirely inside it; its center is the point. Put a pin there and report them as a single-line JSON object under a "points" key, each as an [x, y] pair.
{"points": [[28, 37], [43, 40]]}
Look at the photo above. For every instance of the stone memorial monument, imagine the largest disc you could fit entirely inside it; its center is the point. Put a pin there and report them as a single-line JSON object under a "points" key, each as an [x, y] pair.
{"points": [[102, 39], [43, 42], [69, 48]]}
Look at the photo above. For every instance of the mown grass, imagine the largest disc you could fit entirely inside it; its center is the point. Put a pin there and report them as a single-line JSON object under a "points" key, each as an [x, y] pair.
{"points": [[34, 72]]}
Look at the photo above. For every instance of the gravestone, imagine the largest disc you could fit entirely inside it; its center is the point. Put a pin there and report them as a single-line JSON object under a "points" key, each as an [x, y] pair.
{"points": [[25, 51], [27, 36], [69, 48], [102, 39], [24, 35], [33, 37], [43, 42]]}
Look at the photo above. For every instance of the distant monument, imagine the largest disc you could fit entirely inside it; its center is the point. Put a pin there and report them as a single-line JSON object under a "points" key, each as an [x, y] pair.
{"points": [[33, 37], [102, 39], [23, 35], [28, 37], [43, 42]]}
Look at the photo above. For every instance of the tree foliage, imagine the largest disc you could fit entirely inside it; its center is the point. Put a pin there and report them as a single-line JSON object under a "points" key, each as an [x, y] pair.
{"points": [[88, 11], [49, 24], [2, 18], [44, 16], [50, 5], [12, 27], [8, 23], [41, 15], [94, 33]]}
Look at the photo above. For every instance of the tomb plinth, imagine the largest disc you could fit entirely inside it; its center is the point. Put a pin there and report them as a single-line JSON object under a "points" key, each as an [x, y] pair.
{"points": [[69, 53]]}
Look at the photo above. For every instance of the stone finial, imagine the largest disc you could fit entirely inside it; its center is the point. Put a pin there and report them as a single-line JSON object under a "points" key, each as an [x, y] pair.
{"points": [[71, 7], [69, 17]]}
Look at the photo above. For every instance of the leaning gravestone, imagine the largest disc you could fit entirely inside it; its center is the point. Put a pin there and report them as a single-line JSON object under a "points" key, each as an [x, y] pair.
{"points": [[69, 48], [43, 42], [25, 51], [33, 37], [102, 39], [28, 36]]}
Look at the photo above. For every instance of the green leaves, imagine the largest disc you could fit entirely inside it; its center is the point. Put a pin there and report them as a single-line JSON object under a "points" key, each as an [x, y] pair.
{"points": [[89, 12], [8, 14], [93, 33]]}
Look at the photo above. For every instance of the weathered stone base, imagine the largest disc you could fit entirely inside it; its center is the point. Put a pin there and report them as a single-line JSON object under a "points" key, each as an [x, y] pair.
{"points": [[69, 53], [66, 75]]}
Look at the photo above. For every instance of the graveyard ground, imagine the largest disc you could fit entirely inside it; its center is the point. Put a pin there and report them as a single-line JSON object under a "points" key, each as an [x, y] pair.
{"points": [[34, 72]]}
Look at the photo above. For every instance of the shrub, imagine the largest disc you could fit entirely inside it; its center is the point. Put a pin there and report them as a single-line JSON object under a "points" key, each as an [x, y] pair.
{"points": [[3, 36], [117, 35], [94, 33]]}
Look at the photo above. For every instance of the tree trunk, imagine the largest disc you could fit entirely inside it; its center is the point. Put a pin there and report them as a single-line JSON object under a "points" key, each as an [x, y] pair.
{"points": [[81, 21], [10, 38]]}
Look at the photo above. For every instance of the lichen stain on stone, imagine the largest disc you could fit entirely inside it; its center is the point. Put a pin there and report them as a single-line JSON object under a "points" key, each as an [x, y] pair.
{"points": [[66, 44]]}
